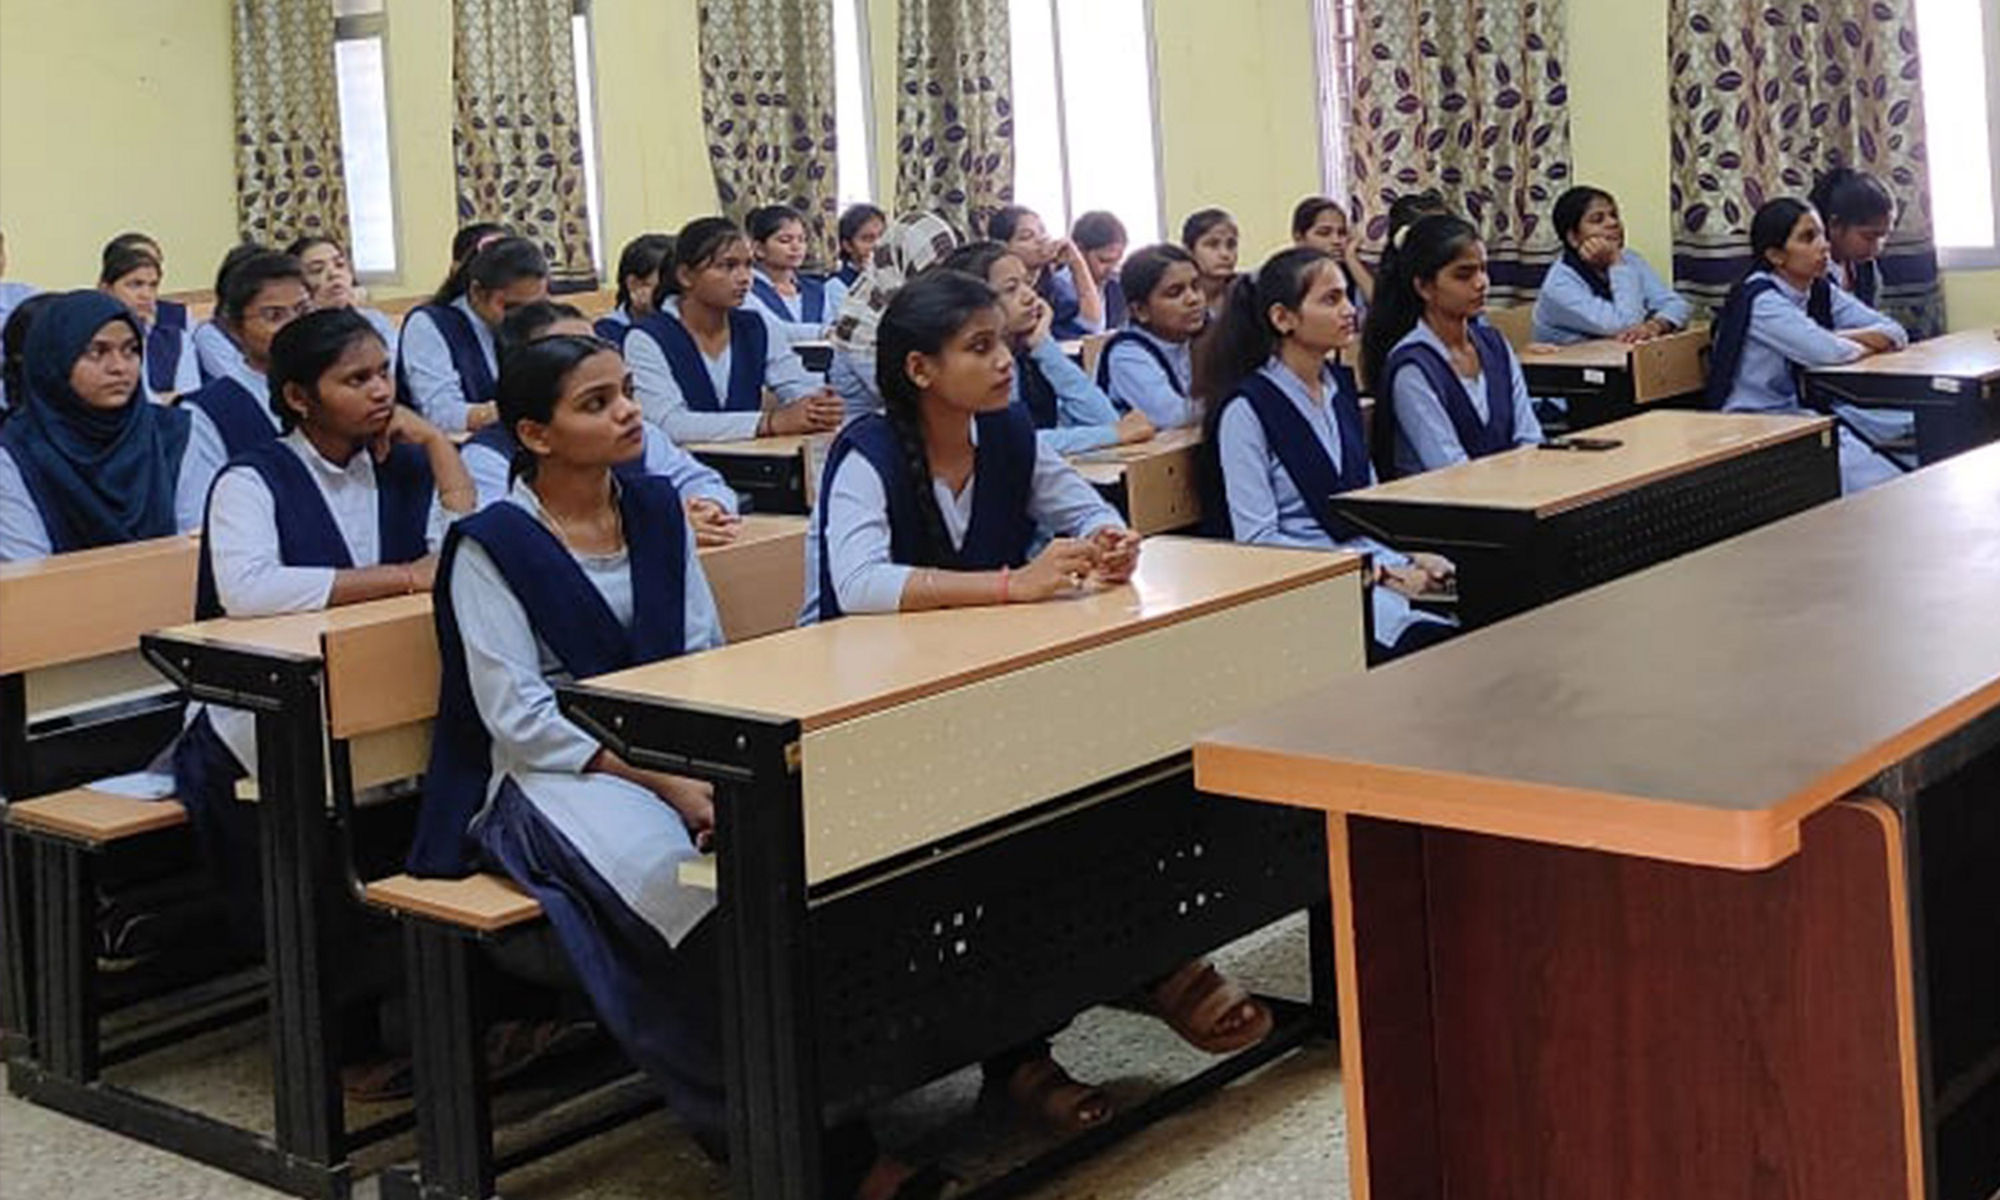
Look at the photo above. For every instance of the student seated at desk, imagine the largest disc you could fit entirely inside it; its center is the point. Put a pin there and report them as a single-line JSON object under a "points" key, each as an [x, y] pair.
{"points": [[1598, 288], [1070, 413], [14, 346], [914, 244], [1056, 269], [1786, 314], [261, 295], [861, 227], [1859, 212], [1287, 436], [492, 454], [169, 315], [702, 361], [447, 367], [639, 267], [1404, 211], [1210, 236], [1101, 238], [349, 505], [935, 503], [215, 350], [86, 461], [131, 275], [803, 305], [330, 283], [1455, 390], [1322, 224], [579, 571], [1148, 366]]}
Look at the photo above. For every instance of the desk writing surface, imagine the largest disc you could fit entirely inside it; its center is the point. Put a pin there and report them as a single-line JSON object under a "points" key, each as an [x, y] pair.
{"points": [[1166, 441], [1696, 712], [1607, 354], [788, 445], [1545, 482], [825, 674], [89, 603], [1970, 354]]}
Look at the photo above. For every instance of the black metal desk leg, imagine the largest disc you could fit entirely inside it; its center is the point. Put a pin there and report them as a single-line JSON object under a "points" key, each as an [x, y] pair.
{"points": [[454, 1118], [66, 1000], [17, 933]]}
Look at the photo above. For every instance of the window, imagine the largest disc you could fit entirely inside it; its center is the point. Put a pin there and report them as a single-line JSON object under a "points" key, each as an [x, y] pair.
{"points": [[1959, 45], [359, 26], [853, 103], [1333, 48], [586, 109], [1084, 133]]}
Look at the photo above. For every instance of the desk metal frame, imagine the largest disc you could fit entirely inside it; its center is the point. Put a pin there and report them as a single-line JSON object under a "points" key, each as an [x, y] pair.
{"points": [[774, 483], [1953, 414]]}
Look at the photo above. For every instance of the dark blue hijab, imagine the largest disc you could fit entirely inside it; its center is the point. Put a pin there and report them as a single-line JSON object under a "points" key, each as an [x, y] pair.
{"points": [[99, 476]]}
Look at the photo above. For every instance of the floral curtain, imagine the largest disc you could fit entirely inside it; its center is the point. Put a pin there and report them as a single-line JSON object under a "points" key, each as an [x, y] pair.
{"points": [[954, 110], [1764, 95], [767, 95], [514, 135], [288, 166], [1468, 98]]}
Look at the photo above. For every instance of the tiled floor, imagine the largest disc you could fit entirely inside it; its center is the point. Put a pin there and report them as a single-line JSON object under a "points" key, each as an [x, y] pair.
{"points": [[1275, 1135]]}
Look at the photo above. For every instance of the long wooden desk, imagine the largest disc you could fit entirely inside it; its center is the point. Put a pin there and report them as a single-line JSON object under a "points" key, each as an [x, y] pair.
{"points": [[777, 473], [1530, 525], [1682, 887], [1607, 379], [1951, 383], [1156, 484], [922, 858]]}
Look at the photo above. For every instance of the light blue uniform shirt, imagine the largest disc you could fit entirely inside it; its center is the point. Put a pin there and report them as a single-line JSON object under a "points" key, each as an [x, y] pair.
{"points": [[434, 382], [1567, 311], [1136, 379], [790, 314], [694, 478], [1085, 417], [659, 393], [23, 535], [856, 390], [382, 325], [11, 295], [216, 353], [1425, 437]]}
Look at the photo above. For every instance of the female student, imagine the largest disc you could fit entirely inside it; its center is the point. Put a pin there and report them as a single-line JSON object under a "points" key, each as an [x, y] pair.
{"points": [[578, 571], [639, 266], [85, 461], [1322, 224], [935, 503], [261, 295], [215, 350], [489, 454], [861, 227], [1149, 366], [702, 362], [131, 275], [1404, 211], [447, 367], [167, 314], [1784, 315], [1070, 413], [1455, 388], [1210, 235], [1060, 274], [14, 347], [1100, 236], [1287, 435], [803, 305], [1598, 288], [349, 505], [465, 245], [914, 244], [1858, 212], [330, 282]]}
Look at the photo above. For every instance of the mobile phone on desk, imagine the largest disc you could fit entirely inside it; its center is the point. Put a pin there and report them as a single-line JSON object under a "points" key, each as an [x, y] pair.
{"points": [[1581, 443]]}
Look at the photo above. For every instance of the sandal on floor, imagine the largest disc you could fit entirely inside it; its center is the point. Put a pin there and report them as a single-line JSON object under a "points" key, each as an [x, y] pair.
{"points": [[1040, 1090], [382, 1082], [513, 1047], [1198, 1001]]}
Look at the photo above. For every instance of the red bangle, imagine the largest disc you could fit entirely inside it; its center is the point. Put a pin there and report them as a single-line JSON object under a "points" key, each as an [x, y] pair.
{"points": [[1005, 572]]}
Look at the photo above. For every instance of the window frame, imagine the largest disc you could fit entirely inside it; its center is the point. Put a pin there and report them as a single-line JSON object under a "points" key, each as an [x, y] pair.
{"points": [[1334, 37], [600, 254], [362, 27], [864, 37]]}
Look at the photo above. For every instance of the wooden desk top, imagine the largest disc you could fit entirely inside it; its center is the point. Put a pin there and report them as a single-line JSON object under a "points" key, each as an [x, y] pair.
{"points": [[790, 445], [825, 674], [1969, 354], [1546, 482], [89, 603], [1107, 466], [1606, 354], [1696, 712]]}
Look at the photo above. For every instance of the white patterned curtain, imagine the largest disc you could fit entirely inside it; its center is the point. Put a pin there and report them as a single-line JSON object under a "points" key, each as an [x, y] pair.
{"points": [[289, 181], [954, 110]]}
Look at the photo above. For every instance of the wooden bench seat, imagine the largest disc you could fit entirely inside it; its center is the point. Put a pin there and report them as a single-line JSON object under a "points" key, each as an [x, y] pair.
{"points": [[483, 903], [94, 818]]}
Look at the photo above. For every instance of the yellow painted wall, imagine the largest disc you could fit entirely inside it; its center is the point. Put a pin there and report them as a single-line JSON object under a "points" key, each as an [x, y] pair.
{"points": [[114, 115]]}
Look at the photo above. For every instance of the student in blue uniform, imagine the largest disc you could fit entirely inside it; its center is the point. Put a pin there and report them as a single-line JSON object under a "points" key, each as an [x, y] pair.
{"points": [[1598, 288], [914, 244], [86, 461], [14, 348], [803, 305], [1322, 224], [215, 348], [330, 282], [1148, 366], [1287, 437], [1858, 213], [131, 275], [861, 226], [639, 267], [1786, 315], [1057, 267], [1210, 235], [1070, 413], [1100, 237], [261, 295], [702, 361], [13, 294], [489, 454], [448, 366], [167, 314], [1404, 211], [1453, 388], [465, 246]]}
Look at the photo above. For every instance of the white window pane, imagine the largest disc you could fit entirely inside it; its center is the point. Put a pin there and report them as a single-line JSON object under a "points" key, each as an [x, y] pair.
{"points": [[357, 8], [1951, 46], [1108, 109], [1038, 152], [364, 144], [586, 108], [855, 165]]}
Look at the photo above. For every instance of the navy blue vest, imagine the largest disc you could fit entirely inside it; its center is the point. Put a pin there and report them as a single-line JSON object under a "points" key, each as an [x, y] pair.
{"points": [[1300, 452], [847, 274], [812, 298], [164, 346], [1867, 277], [749, 345], [1038, 395], [307, 534], [243, 420], [1480, 438], [1129, 337], [1001, 531], [569, 614], [475, 379], [611, 327], [1732, 329]]}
